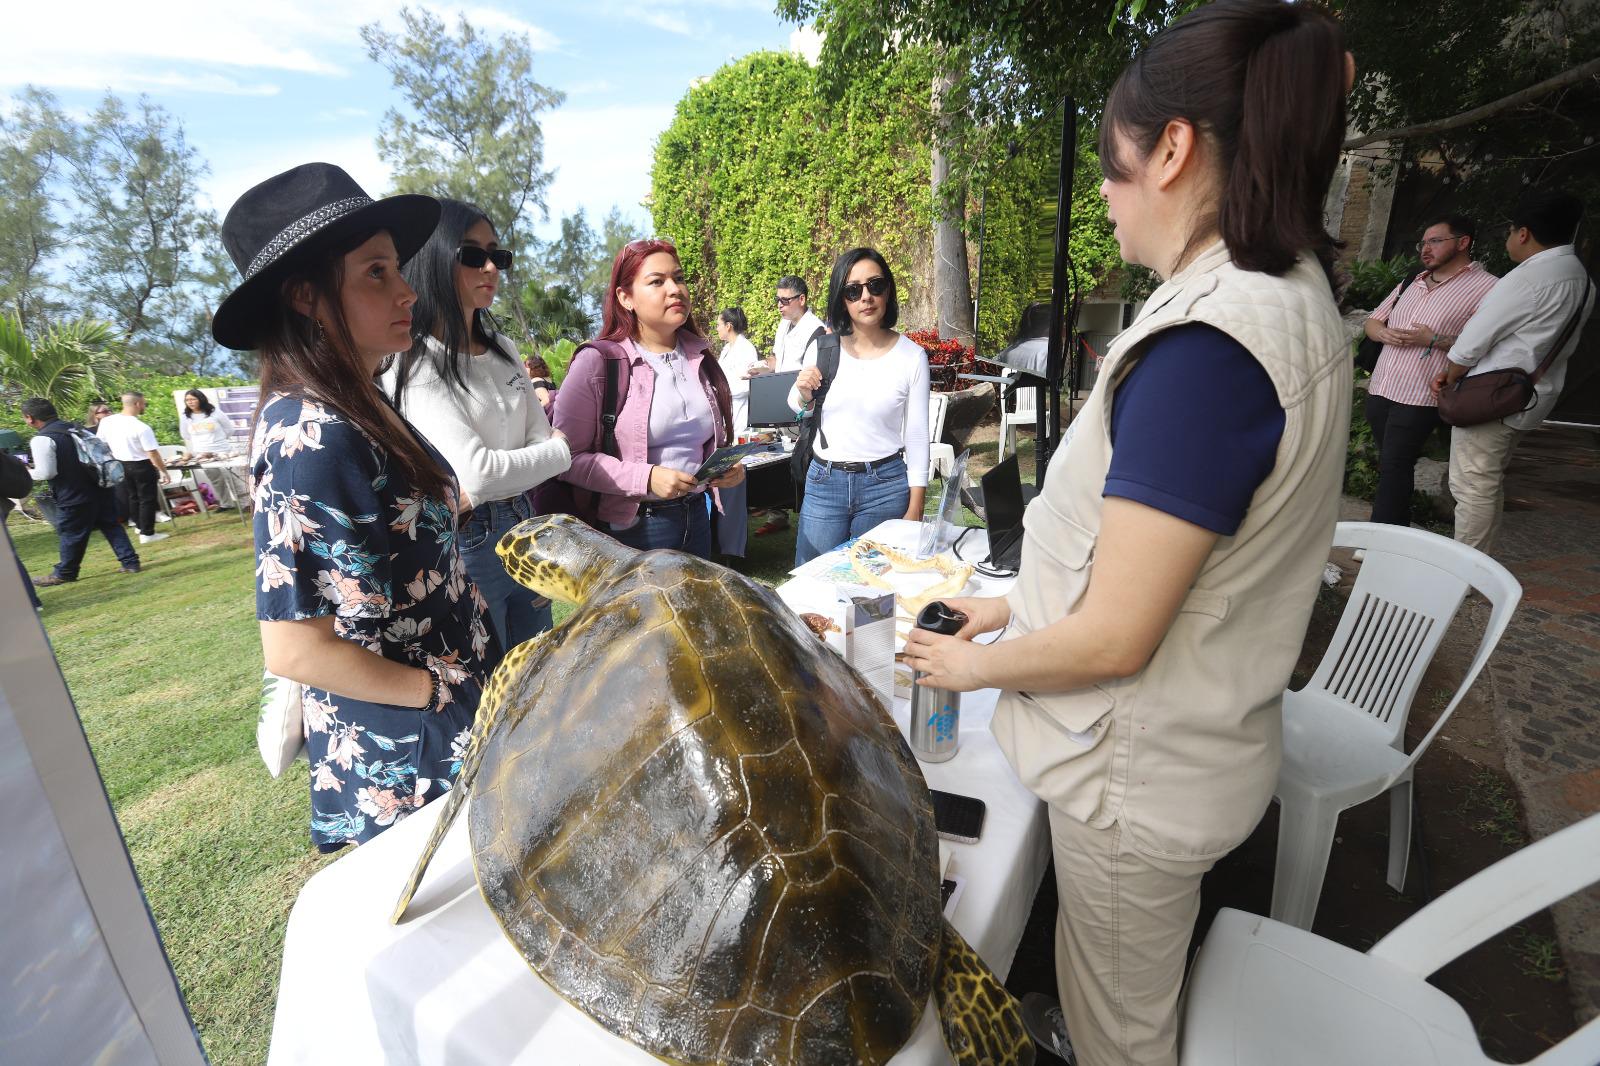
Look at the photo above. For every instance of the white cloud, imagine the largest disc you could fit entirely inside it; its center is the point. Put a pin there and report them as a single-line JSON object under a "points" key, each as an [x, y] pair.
{"points": [[669, 21], [341, 114], [601, 156], [120, 78], [806, 43], [249, 164], [133, 46], [488, 18]]}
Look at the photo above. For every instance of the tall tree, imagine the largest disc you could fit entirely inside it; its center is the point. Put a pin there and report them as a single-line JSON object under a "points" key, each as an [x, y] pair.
{"points": [[35, 143], [471, 129], [148, 248]]}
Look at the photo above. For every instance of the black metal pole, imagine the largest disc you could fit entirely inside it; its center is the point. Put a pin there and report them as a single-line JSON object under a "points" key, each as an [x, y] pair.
{"points": [[1049, 406], [977, 292]]}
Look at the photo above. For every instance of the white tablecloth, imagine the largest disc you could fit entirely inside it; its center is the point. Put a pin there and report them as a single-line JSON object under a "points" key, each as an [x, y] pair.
{"points": [[448, 987]]}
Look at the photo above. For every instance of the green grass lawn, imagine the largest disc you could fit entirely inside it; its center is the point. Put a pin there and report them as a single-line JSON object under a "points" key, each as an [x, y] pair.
{"points": [[165, 669]]}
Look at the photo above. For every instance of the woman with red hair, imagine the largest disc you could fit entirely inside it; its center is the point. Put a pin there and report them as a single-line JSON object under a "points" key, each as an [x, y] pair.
{"points": [[668, 403]]}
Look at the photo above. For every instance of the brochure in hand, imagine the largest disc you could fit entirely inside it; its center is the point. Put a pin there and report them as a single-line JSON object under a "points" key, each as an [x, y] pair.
{"points": [[725, 459]]}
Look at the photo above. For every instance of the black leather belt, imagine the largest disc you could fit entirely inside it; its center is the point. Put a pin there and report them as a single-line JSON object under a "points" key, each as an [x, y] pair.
{"points": [[858, 468], [650, 507]]}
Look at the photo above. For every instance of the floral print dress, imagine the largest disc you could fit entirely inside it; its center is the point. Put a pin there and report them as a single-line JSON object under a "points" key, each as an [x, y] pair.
{"points": [[339, 532]]}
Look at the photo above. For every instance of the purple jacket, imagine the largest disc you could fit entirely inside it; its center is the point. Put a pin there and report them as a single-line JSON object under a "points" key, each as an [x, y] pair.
{"points": [[623, 482]]}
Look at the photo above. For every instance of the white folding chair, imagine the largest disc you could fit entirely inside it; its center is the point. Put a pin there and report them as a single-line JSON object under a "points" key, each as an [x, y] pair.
{"points": [[1344, 733], [941, 456], [1263, 993], [185, 484], [1024, 413]]}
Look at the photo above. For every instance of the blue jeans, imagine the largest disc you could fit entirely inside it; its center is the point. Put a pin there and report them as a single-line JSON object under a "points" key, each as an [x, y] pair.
{"points": [[75, 522], [682, 525], [842, 504], [516, 613]]}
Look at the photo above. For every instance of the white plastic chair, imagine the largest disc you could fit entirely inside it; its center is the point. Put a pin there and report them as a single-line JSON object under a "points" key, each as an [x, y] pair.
{"points": [[185, 484], [1344, 733], [1263, 993], [941, 456], [1025, 413]]}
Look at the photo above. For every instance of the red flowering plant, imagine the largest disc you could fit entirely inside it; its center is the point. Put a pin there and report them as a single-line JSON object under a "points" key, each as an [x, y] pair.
{"points": [[946, 359]]}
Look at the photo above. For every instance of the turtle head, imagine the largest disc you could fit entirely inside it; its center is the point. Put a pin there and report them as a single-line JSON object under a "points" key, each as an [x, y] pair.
{"points": [[559, 556]]}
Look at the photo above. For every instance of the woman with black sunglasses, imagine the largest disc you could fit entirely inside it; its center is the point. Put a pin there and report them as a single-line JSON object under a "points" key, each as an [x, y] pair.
{"points": [[463, 386], [870, 459]]}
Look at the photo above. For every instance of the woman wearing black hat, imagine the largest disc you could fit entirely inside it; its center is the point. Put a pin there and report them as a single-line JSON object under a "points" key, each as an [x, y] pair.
{"points": [[361, 592]]}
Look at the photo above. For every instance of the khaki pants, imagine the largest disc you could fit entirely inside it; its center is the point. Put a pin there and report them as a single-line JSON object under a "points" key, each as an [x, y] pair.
{"points": [[1478, 459], [1122, 933]]}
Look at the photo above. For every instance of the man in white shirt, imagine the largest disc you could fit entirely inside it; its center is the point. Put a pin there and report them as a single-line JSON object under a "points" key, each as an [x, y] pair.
{"points": [[1516, 326], [133, 443], [798, 328]]}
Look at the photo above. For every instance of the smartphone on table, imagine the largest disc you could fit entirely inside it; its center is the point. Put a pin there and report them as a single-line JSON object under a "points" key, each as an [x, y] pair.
{"points": [[958, 818]]}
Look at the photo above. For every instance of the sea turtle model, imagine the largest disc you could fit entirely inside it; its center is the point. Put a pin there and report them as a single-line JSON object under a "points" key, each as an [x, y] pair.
{"points": [[698, 825]]}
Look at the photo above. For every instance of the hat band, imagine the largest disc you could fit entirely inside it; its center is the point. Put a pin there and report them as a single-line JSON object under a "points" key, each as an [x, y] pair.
{"points": [[300, 229]]}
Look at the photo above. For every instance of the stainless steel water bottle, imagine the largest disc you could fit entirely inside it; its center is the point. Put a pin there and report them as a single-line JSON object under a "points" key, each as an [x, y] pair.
{"points": [[936, 712]]}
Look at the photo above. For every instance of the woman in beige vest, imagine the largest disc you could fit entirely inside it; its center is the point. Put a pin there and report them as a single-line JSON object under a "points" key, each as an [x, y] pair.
{"points": [[1171, 560]]}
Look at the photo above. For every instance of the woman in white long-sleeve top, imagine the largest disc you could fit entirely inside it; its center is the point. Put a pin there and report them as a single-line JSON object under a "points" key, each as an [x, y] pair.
{"points": [[870, 457], [462, 385]]}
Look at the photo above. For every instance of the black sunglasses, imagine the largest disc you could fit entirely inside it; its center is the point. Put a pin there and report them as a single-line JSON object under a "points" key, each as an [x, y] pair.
{"points": [[877, 286], [472, 257]]}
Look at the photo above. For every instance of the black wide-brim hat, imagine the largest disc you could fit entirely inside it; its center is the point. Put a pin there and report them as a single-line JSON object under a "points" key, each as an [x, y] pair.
{"points": [[278, 223]]}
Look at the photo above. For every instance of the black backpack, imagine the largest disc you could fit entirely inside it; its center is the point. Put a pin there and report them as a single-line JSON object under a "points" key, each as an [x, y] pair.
{"points": [[811, 426]]}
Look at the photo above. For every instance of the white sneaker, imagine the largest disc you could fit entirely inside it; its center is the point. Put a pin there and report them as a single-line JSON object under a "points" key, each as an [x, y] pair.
{"points": [[162, 516], [146, 538]]}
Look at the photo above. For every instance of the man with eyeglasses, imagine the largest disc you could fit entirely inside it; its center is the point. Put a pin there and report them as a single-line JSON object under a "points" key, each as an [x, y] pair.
{"points": [[1417, 324], [798, 328]]}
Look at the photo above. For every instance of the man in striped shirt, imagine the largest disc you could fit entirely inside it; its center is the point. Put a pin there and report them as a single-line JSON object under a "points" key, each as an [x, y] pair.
{"points": [[1417, 327]]}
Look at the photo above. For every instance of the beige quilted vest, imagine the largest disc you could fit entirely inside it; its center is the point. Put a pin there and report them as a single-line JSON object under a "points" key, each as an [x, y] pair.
{"points": [[1186, 752]]}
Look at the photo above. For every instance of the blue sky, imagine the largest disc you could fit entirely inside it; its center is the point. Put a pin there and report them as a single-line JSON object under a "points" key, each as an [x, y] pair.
{"points": [[263, 86]]}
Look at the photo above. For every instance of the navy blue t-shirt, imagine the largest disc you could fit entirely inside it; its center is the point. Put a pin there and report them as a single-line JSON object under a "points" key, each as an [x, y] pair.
{"points": [[1195, 427]]}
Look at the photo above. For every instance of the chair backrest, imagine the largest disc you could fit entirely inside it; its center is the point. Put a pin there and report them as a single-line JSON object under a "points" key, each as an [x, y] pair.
{"points": [[1526, 881], [1027, 401], [1409, 588], [938, 403]]}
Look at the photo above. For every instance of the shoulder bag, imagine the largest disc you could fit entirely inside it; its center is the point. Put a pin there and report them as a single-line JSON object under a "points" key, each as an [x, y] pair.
{"points": [[811, 425], [1496, 394], [1368, 350]]}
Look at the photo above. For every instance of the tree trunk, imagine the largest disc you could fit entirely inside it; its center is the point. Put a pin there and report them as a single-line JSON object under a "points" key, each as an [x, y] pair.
{"points": [[952, 283]]}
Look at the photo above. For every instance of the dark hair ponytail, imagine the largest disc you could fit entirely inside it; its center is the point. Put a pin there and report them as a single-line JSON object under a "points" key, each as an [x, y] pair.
{"points": [[1263, 82]]}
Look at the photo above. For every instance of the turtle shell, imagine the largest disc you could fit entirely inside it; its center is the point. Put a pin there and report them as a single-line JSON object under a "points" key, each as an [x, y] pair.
{"points": [[700, 827]]}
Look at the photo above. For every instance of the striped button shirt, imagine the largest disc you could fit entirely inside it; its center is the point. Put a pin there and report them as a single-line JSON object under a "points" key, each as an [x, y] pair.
{"points": [[1405, 371]]}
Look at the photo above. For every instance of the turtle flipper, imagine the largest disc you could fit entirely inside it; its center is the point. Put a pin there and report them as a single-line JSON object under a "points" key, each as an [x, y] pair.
{"points": [[979, 1018], [491, 708]]}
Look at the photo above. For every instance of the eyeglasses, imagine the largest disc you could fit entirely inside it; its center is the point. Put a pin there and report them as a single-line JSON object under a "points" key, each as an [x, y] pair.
{"points": [[1438, 240], [785, 301], [876, 286], [472, 257]]}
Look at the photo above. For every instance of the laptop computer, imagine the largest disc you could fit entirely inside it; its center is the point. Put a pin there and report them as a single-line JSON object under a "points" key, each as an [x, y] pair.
{"points": [[999, 501]]}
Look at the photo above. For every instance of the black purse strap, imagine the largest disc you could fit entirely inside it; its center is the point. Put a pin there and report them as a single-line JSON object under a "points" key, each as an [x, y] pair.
{"points": [[1566, 331]]}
